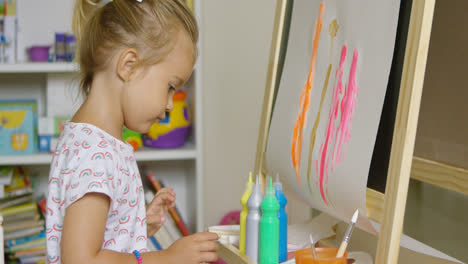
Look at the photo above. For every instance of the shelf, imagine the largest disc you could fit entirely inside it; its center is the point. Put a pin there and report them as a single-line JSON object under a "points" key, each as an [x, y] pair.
{"points": [[187, 152], [38, 67]]}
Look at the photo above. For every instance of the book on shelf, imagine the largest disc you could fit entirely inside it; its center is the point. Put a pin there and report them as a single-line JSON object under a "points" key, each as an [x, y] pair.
{"points": [[18, 192], [172, 228], [33, 259], [26, 255], [37, 243], [22, 208], [174, 212], [19, 241], [23, 233], [150, 246], [28, 224], [19, 215], [12, 201], [30, 252], [27, 251], [6, 172], [164, 238], [31, 215], [24, 236], [155, 244], [19, 180], [14, 184]]}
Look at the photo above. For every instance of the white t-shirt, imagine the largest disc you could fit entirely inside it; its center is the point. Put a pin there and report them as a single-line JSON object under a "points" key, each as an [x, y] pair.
{"points": [[89, 160]]}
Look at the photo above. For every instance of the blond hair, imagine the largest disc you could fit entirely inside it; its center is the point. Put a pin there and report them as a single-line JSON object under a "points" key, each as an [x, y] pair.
{"points": [[148, 26]]}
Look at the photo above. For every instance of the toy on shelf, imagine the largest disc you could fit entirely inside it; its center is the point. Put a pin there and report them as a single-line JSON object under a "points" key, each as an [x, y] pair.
{"points": [[38, 53], [45, 133], [65, 47], [171, 132], [133, 138]]}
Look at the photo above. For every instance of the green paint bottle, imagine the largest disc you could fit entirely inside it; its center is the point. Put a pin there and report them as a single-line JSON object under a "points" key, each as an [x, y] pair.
{"points": [[269, 228]]}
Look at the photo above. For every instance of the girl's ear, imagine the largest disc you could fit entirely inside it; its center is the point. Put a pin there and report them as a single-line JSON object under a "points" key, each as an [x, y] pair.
{"points": [[126, 64]]}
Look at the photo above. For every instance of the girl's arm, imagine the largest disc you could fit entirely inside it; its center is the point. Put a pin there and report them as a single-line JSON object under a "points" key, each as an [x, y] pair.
{"points": [[83, 233]]}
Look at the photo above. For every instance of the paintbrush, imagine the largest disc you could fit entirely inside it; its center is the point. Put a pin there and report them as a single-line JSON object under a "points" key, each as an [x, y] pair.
{"points": [[312, 246], [344, 244], [314, 253]]}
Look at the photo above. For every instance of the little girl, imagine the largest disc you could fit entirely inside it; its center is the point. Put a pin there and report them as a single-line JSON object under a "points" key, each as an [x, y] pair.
{"points": [[133, 55]]}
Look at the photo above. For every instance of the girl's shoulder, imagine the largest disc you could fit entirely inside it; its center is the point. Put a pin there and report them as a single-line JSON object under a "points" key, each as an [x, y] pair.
{"points": [[84, 142], [88, 136]]}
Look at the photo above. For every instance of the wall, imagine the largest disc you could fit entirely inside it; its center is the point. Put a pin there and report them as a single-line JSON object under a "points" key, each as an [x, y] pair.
{"points": [[37, 22], [236, 39], [434, 215], [236, 42], [442, 127]]}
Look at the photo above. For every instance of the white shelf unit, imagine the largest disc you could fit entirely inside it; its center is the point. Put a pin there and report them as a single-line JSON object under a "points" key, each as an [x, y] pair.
{"points": [[54, 87], [187, 152], [38, 67]]}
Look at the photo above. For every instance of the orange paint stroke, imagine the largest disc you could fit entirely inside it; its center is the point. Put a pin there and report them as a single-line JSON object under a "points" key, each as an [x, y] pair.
{"points": [[304, 101], [317, 121]]}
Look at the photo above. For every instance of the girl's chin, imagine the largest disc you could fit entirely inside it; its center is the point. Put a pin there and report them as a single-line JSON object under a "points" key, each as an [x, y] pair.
{"points": [[142, 128]]}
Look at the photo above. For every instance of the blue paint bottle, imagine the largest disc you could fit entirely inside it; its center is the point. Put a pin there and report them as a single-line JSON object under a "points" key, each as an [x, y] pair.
{"points": [[283, 220]]}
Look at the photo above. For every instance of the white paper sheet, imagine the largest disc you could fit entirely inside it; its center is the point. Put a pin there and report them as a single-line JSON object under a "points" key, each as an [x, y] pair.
{"points": [[344, 139], [319, 228]]}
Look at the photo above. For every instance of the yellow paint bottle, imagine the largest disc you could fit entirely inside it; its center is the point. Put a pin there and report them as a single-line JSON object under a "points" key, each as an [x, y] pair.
{"points": [[244, 213]]}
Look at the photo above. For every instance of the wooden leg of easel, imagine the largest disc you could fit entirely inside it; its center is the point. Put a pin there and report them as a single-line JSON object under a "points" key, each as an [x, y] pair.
{"points": [[271, 82], [405, 131], [231, 255]]}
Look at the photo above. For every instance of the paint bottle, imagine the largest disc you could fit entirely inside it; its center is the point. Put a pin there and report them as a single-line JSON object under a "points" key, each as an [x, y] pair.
{"points": [[269, 228], [70, 47], [59, 46], [253, 222], [244, 212], [283, 220]]}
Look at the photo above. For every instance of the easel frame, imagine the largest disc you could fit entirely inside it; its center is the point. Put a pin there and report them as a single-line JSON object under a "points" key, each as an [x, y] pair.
{"points": [[388, 208]]}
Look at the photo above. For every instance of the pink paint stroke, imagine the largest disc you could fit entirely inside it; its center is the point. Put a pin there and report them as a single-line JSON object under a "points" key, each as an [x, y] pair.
{"points": [[331, 126], [348, 104], [339, 137]]}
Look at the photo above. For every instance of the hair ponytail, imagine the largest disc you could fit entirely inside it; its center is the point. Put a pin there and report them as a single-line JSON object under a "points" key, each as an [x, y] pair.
{"points": [[82, 11]]}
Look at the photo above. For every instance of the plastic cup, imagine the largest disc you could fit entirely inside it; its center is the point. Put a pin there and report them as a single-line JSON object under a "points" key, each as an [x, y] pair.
{"points": [[324, 256]]}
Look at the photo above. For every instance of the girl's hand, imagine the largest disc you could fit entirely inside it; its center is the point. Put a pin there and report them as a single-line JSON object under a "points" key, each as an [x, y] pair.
{"points": [[157, 209], [194, 249]]}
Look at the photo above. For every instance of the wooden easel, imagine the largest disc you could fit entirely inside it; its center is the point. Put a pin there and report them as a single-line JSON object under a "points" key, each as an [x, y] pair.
{"points": [[389, 208]]}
